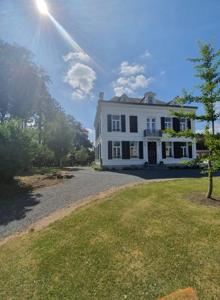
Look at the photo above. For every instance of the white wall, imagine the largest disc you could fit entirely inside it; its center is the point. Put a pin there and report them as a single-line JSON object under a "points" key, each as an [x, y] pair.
{"points": [[142, 112]]}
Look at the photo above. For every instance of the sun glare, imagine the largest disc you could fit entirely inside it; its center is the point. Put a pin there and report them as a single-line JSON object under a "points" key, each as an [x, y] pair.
{"points": [[42, 6]]}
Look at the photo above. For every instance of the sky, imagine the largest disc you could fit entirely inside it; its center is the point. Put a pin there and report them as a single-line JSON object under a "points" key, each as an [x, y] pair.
{"points": [[114, 46]]}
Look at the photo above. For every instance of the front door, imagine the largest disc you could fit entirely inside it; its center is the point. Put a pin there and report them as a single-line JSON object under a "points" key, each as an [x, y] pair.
{"points": [[152, 153]]}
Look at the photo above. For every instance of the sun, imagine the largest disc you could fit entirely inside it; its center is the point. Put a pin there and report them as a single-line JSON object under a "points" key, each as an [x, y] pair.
{"points": [[42, 6]]}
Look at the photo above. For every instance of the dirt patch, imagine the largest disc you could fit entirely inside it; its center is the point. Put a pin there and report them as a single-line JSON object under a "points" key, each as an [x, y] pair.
{"points": [[38, 181], [200, 198], [184, 294]]}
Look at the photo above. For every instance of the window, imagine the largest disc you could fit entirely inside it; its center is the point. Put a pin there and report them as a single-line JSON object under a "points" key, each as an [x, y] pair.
{"points": [[133, 149], [184, 150], [116, 149], [116, 123], [168, 123], [182, 124], [151, 124], [169, 149]]}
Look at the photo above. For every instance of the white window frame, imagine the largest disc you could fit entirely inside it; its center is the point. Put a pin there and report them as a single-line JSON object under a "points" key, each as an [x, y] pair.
{"points": [[116, 123], [151, 123], [133, 147], [184, 150], [168, 123], [183, 125], [169, 149], [116, 149]]}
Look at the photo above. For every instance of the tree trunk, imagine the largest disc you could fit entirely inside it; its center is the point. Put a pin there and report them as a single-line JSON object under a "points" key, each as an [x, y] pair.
{"points": [[210, 182], [210, 172], [61, 162]]}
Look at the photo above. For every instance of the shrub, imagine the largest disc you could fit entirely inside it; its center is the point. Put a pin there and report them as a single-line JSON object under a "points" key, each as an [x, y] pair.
{"points": [[17, 149]]}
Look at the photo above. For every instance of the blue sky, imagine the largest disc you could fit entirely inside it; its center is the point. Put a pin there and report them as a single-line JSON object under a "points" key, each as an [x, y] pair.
{"points": [[131, 46]]}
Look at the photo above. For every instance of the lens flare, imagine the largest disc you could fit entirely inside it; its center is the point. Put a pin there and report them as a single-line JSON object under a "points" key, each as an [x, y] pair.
{"points": [[42, 6]]}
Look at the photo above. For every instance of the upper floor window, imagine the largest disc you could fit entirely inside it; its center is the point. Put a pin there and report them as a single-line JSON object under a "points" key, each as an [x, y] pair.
{"points": [[116, 123], [116, 149], [133, 149], [183, 125], [151, 124], [168, 123]]}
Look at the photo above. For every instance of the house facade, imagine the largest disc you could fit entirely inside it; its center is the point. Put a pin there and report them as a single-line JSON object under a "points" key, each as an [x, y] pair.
{"points": [[130, 132]]}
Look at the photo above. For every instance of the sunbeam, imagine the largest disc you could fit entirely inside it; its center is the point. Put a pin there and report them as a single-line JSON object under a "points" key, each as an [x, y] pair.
{"points": [[66, 35], [43, 8]]}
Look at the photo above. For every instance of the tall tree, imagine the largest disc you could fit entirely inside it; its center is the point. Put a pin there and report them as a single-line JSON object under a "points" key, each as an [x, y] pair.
{"points": [[207, 70], [59, 136], [23, 85]]}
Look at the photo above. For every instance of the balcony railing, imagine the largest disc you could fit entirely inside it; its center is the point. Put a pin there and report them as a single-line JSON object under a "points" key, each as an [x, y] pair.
{"points": [[152, 132]]}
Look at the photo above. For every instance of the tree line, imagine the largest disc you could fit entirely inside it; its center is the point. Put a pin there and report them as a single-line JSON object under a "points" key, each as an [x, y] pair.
{"points": [[34, 129]]}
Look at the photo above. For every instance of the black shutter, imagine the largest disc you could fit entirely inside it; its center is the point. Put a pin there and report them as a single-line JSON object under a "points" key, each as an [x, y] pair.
{"points": [[125, 150], [176, 124], [177, 150], [188, 123], [163, 149], [190, 150], [123, 125], [133, 124], [109, 149], [109, 122], [141, 150], [162, 123]]}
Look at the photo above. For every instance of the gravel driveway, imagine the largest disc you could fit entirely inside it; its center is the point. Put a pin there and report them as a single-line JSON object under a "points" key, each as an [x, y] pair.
{"points": [[17, 215]]}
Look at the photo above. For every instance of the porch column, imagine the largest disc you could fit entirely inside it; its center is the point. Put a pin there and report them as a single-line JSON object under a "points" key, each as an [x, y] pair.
{"points": [[159, 152], [194, 149]]}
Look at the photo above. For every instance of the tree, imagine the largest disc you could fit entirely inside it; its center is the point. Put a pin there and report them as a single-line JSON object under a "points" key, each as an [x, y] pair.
{"points": [[207, 70], [23, 85], [59, 136], [18, 147]]}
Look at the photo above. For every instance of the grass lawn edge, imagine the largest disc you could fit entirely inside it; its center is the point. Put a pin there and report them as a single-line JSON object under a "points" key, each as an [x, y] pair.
{"points": [[67, 210]]}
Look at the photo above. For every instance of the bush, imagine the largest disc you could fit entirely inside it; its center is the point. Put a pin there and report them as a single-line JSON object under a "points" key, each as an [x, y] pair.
{"points": [[44, 157], [17, 149]]}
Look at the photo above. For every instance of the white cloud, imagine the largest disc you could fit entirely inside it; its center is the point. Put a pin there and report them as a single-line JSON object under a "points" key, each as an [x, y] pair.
{"points": [[76, 57], [81, 78], [163, 72], [131, 84], [146, 54], [127, 69], [91, 133], [131, 78]]}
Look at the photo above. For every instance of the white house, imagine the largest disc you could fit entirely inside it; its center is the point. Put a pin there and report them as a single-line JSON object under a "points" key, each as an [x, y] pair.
{"points": [[129, 132]]}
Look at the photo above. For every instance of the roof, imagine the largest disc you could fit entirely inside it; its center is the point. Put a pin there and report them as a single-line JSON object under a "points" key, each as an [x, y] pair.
{"points": [[148, 99]]}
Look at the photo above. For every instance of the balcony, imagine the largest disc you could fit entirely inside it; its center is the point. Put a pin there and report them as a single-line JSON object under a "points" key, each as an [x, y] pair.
{"points": [[152, 133]]}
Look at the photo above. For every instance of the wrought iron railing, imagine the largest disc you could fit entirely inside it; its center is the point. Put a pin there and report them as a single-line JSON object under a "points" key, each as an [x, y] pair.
{"points": [[152, 132]]}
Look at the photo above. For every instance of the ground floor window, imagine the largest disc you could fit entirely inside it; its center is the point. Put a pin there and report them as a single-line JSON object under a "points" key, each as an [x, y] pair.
{"points": [[116, 149], [133, 149], [169, 149], [184, 150], [177, 149]]}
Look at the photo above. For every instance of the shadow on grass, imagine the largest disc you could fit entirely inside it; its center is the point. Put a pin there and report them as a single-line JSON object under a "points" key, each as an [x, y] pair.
{"points": [[163, 173], [15, 201]]}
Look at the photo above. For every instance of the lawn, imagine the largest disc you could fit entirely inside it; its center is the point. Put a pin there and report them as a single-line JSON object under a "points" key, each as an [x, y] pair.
{"points": [[140, 243]]}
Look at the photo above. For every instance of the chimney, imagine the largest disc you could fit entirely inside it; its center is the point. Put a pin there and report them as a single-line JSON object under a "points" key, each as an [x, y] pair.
{"points": [[101, 96]]}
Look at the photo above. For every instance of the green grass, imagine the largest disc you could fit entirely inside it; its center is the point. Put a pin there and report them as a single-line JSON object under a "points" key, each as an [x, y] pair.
{"points": [[140, 243]]}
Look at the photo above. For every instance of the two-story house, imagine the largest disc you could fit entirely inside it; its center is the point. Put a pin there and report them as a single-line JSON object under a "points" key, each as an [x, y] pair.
{"points": [[130, 132]]}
